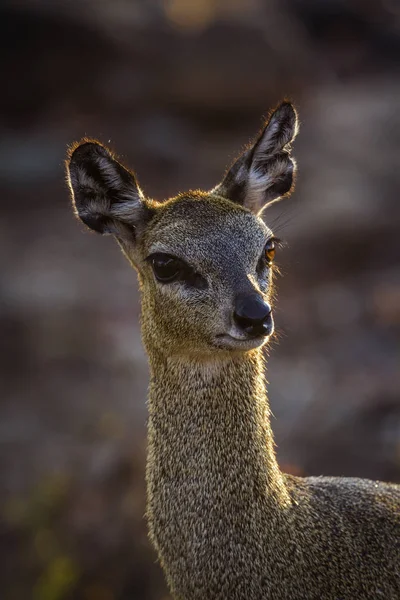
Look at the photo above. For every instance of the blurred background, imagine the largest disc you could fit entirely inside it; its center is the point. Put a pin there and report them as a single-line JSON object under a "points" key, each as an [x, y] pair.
{"points": [[177, 87]]}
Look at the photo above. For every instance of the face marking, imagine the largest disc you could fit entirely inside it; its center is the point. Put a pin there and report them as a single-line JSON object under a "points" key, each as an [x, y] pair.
{"points": [[212, 240]]}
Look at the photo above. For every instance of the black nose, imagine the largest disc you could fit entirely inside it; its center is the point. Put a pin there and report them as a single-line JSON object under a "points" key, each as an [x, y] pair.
{"points": [[253, 315]]}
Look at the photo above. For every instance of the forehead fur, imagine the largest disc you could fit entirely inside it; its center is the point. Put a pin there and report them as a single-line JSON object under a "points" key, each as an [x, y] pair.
{"points": [[196, 222]]}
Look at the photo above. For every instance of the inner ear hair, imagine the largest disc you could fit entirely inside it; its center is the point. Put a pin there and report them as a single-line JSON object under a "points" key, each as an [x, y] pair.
{"points": [[105, 194], [265, 171]]}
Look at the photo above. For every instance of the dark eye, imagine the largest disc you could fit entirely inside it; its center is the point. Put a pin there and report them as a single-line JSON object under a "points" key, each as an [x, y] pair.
{"points": [[269, 251], [166, 268]]}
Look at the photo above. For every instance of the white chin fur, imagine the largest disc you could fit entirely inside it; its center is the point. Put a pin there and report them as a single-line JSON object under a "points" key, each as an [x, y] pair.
{"points": [[229, 342]]}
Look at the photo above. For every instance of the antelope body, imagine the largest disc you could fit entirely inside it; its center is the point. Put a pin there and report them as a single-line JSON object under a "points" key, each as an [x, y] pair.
{"points": [[225, 521]]}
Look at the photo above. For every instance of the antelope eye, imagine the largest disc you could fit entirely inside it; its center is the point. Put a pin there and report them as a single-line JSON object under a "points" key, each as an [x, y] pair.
{"points": [[269, 251], [166, 268]]}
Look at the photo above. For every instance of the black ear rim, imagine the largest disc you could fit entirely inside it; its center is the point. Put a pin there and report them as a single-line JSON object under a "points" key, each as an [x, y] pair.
{"points": [[286, 112], [85, 144]]}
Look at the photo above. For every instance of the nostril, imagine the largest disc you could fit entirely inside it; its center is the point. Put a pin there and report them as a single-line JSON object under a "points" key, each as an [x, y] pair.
{"points": [[251, 312]]}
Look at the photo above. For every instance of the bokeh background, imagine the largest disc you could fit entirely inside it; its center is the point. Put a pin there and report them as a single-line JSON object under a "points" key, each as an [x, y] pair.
{"points": [[177, 87]]}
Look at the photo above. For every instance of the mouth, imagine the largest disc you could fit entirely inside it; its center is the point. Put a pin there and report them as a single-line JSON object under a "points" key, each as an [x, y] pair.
{"points": [[226, 341]]}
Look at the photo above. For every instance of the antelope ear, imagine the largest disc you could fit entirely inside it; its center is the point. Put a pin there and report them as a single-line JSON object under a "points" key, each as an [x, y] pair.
{"points": [[105, 195], [265, 171]]}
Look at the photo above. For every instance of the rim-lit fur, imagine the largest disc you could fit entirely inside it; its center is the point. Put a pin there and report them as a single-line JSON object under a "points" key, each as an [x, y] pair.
{"points": [[225, 521]]}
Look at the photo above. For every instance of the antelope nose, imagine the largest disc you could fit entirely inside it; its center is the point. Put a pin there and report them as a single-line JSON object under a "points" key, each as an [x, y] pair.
{"points": [[253, 315]]}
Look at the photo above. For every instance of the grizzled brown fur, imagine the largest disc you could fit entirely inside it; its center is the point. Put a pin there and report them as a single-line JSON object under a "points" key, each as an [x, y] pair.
{"points": [[225, 521]]}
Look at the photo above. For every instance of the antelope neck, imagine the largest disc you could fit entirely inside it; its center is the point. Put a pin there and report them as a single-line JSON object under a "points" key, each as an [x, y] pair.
{"points": [[210, 424]]}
